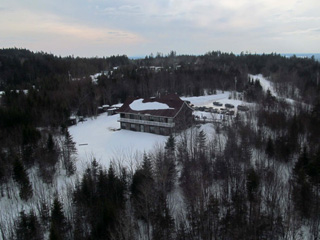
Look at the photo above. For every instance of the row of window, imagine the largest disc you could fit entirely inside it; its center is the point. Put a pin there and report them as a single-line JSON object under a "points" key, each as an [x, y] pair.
{"points": [[146, 117], [145, 128]]}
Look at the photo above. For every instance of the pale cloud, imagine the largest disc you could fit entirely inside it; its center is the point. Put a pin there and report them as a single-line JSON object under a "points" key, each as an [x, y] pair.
{"points": [[304, 31], [28, 22], [28, 29], [144, 26]]}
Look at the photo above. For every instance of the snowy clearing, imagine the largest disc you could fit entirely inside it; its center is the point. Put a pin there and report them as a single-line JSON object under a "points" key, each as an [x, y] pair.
{"points": [[207, 101], [268, 85], [102, 139], [265, 83], [95, 77]]}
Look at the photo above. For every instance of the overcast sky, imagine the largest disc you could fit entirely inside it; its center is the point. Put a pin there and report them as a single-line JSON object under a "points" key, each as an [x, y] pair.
{"points": [[137, 28]]}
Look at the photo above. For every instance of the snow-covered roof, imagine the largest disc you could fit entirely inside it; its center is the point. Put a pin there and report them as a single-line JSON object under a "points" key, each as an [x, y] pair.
{"points": [[139, 105], [166, 106], [118, 105]]}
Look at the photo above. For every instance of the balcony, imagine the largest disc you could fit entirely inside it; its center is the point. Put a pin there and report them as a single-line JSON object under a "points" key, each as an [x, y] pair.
{"points": [[151, 123]]}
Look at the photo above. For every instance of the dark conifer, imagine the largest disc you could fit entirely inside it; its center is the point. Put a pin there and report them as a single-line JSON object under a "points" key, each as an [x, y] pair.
{"points": [[59, 224], [69, 151], [170, 144], [28, 227], [21, 177], [270, 148]]}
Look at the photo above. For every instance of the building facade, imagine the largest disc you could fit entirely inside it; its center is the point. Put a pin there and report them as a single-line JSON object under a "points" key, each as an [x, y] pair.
{"points": [[163, 115]]}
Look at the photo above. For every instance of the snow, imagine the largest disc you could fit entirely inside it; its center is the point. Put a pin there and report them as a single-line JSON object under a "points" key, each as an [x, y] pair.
{"points": [[265, 83], [268, 85], [207, 101], [95, 77], [139, 105], [118, 105], [102, 139], [17, 91]]}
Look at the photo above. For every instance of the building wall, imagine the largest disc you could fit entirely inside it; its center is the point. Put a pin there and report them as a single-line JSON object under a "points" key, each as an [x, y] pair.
{"points": [[184, 119], [145, 128]]}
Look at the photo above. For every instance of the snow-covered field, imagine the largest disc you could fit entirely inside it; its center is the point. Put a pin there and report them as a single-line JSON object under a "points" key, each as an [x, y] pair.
{"points": [[102, 139], [206, 101]]}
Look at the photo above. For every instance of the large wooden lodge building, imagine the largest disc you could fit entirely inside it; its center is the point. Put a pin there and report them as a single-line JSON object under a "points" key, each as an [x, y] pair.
{"points": [[163, 115]]}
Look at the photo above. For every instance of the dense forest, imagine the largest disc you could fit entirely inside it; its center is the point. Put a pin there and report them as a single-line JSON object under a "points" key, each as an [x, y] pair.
{"points": [[257, 177]]}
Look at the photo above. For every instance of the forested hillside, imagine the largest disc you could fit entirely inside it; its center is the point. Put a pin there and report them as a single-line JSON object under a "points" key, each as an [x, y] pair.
{"points": [[256, 177]]}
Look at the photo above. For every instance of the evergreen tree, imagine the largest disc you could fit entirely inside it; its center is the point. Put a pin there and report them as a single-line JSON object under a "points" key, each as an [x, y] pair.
{"points": [[269, 148], [28, 227], [21, 177], [165, 170], [163, 223], [313, 168], [69, 151], [170, 144], [300, 166], [252, 184], [49, 159], [302, 190], [143, 193], [147, 167], [59, 224], [245, 151], [201, 142], [44, 214]]}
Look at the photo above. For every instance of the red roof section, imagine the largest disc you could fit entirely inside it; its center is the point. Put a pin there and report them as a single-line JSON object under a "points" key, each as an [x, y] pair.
{"points": [[172, 100]]}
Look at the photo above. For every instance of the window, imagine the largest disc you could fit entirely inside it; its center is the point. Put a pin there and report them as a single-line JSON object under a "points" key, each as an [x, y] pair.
{"points": [[163, 131], [132, 126], [152, 129], [131, 116], [123, 125], [122, 115], [162, 119]]}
